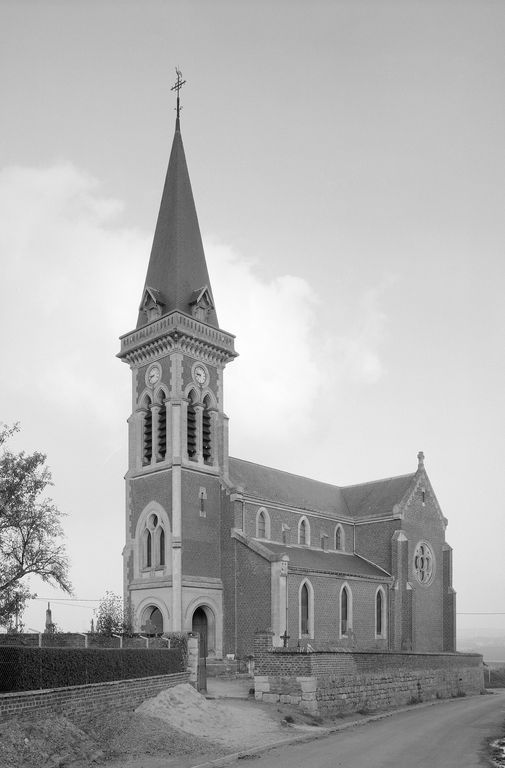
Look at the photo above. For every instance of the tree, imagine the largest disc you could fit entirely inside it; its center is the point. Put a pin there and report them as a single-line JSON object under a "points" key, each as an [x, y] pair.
{"points": [[30, 528], [112, 618]]}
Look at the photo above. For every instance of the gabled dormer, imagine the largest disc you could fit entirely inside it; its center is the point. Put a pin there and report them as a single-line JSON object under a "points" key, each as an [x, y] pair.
{"points": [[151, 305], [201, 304]]}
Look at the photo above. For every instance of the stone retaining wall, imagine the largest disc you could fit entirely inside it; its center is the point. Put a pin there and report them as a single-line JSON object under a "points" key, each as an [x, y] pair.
{"points": [[328, 683], [81, 700]]}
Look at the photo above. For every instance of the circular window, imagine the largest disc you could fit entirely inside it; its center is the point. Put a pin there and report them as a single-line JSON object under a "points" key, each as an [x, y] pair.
{"points": [[424, 563]]}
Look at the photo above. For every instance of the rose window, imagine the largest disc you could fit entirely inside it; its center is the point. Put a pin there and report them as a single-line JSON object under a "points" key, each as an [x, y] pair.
{"points": [[423, 563]]}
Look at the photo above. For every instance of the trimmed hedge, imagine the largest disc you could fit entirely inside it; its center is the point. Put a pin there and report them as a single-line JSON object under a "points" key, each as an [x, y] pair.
{"points": [[28, 669]]}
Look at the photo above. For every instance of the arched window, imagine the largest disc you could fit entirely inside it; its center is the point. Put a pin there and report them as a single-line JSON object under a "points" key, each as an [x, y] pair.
{"points": [[345, 611], [147, 437], [162, 547], [149, 549], [339, 538], [262, 524], [207, 431], [306, 609], [153, 543], [162, 428], [380, 613], [191, 428], [304, 532]]}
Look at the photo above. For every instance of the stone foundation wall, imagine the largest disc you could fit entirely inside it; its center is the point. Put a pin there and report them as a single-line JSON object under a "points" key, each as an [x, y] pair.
{"points": [[81, 700], [348, 681]]}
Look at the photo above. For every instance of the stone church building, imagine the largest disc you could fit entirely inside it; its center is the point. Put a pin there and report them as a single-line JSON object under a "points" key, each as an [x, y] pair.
{"points": [[225, 546]]}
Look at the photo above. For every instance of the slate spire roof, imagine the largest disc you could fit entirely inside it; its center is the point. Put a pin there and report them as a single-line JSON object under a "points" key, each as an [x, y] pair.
{"points": [[177, 267]]}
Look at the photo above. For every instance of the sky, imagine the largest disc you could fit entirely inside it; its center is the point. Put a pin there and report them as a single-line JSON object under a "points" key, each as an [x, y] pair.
{"points": [[347, 163]]}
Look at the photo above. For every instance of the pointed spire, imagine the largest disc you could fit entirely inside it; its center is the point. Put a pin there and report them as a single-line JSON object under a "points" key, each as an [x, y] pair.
{"points": [[177, 268]]}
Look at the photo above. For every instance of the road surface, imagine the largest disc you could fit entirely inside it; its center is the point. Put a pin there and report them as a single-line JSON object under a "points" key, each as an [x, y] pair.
{"points": [[450, 734]]}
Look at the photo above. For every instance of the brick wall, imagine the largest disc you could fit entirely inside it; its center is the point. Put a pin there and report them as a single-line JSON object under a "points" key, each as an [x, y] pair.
{"points": [[81, 700], [346, 681]]}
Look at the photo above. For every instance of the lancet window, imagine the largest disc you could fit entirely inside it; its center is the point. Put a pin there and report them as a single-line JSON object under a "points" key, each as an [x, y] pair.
{"points": [[147, 437], [207, 431], [153, 543], [162, 428], [192, 426]]}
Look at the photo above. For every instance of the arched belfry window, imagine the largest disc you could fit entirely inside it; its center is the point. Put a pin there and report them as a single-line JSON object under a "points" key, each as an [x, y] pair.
{"points": [[191, 426], [207, 431], [162, 427], [304, 532], [147, 437], [339, 538]]}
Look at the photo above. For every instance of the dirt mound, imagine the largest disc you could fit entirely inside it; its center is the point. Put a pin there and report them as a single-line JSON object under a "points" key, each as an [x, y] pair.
{"points": [[49, 742], [231, 723]]}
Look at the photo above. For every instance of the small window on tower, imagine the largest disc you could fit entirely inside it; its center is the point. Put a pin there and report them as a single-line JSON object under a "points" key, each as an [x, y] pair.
{"points": [[147, 438], [203, 497]]}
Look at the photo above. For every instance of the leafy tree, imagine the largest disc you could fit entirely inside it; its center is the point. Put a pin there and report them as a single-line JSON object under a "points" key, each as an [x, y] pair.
{"points": [[112, 618], [30, 528]]}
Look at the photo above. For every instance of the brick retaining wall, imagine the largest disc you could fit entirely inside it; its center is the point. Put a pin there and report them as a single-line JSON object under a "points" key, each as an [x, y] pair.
{"points": [[327, 683], [81, 700]]}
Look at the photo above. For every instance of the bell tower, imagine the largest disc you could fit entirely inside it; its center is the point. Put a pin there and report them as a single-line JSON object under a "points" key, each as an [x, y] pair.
{"points": [[178, 447]]}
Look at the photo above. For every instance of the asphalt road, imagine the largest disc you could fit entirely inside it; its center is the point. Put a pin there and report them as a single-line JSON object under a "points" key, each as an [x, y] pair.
{"points": [[451, 734]]}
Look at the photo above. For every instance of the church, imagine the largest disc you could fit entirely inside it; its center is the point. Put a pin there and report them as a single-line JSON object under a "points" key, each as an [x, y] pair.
{"points": [[224, 546]]}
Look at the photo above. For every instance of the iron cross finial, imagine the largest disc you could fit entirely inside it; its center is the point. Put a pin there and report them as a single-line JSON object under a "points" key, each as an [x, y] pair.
{"points": [[177, 87]]}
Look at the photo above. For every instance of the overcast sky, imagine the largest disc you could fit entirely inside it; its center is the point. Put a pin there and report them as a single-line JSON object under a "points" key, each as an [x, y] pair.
{"points": [[348, 165]]}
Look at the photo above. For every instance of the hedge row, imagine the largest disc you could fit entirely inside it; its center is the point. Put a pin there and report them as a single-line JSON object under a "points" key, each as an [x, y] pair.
{"points": [[28, 669]]}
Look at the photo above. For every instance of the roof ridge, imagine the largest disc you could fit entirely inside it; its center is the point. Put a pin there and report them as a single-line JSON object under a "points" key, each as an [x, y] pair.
{"points": [[379, 480], [287, 472]]}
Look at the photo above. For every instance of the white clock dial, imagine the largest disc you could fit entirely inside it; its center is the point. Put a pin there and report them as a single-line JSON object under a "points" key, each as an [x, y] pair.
{"points": [[200, 374], [153, 375]]}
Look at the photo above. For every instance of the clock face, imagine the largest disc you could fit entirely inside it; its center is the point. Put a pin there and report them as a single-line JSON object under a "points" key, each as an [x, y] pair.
{"points": [[153, 375], [200, 374]]}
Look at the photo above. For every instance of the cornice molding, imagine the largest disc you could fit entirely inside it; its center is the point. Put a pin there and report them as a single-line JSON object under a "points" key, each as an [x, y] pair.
{"points": [[177, 332]]}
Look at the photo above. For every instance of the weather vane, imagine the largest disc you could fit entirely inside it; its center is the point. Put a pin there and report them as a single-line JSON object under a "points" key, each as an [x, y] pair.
{"points": [[177, 87]]}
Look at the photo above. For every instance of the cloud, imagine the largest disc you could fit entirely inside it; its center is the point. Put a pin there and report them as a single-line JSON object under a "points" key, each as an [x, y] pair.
{"points": [[72, 278]]}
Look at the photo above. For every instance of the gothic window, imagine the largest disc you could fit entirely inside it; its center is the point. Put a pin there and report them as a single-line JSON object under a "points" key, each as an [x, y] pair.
{"points": [[162, 547], [162, 428], [206, 431], [306, 609], [380, 605], [149, 547], [191, 426], [147, 437], [424, 563], [339, 538], [262, 524], [153, 543], [304, 532], [345, 611]]}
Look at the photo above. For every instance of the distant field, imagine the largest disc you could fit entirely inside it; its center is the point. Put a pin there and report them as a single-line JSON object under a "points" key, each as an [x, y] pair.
{"points": [[494, 674]]}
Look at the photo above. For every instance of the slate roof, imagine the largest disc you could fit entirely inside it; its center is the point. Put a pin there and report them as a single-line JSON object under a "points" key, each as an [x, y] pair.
{"points": [[374, 499], [335, 562], [285, 488], [378, 497], [177, 264]]}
